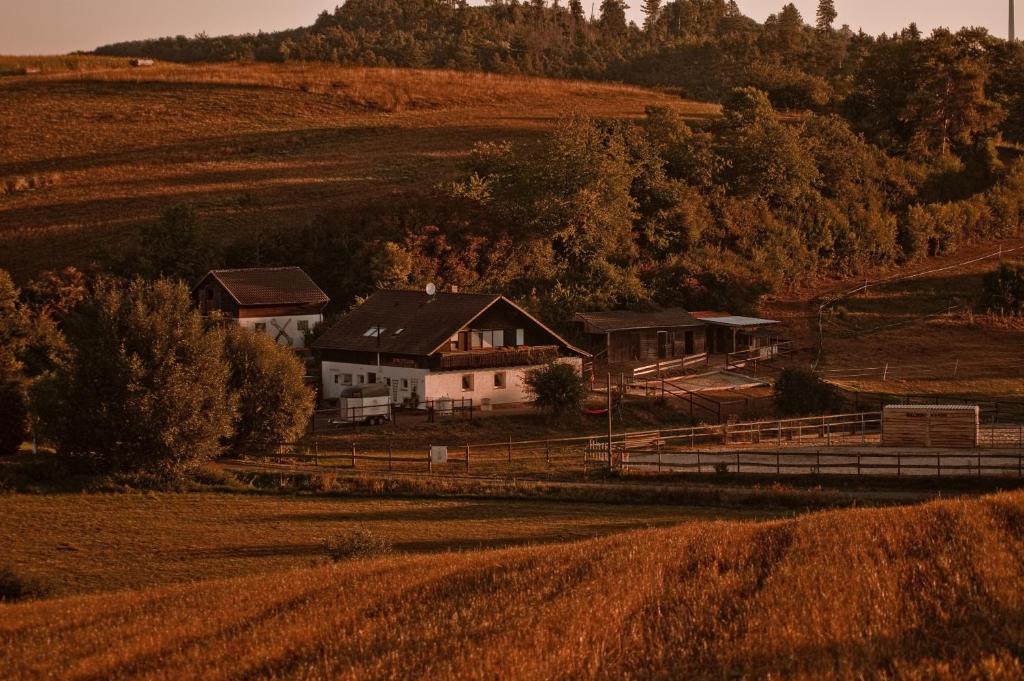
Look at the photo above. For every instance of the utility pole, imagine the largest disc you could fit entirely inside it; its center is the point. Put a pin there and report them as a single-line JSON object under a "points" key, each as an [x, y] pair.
{"points": [[1013, 24], [609, 419]]}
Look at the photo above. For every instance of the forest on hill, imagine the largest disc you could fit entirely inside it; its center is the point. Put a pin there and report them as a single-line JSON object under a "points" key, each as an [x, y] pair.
{"points": [[702, 48], [837, 151]]}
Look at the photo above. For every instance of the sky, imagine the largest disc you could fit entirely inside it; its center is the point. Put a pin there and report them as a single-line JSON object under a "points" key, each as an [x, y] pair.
{"points": [[60, 26]]}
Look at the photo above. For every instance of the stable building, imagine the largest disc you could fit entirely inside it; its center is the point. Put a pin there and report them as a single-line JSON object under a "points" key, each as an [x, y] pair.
{"points": [[282, 302], [728, 334], [638, 343], [626, 340], [437, 347]]}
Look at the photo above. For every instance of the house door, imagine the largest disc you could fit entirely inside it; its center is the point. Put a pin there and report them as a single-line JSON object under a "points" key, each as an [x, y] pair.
{"points": [[663, 345]]}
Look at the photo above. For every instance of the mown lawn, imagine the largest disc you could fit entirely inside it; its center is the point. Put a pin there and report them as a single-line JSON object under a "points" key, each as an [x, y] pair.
{"points": [[77, 543]]}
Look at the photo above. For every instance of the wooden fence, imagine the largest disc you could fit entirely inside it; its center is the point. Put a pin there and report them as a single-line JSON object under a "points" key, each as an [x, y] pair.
{"points": [[980, 463]]}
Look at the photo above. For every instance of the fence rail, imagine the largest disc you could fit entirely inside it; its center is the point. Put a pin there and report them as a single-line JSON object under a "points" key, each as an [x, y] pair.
{"points": [[899, 463]]}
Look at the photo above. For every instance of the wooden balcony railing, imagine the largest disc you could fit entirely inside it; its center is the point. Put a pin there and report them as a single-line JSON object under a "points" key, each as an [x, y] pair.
{"points": [[497, 357]]}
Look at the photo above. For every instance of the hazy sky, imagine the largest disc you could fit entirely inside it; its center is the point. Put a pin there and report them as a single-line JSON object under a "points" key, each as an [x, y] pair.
{"points": [[57, 26]]}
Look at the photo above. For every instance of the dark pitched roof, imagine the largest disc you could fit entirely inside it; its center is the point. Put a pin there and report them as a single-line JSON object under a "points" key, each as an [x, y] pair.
{"points": [[626, 320], [411, 322], [270, 286]]}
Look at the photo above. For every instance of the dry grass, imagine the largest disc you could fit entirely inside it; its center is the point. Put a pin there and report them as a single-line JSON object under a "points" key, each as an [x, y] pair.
{"points": [[77, 543], [303, 138], [906, 326], [50, 64], [927, 593]]}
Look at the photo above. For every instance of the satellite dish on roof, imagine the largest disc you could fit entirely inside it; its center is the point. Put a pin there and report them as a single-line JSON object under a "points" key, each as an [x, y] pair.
{"points": [[431, 290]]}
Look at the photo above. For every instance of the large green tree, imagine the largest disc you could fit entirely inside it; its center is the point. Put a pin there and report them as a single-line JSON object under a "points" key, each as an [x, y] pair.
{"points": [[267, 381], [146, 387]]}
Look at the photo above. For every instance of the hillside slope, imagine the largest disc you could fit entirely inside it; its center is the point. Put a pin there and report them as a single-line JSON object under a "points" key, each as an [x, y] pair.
{"points": [[928, 592], [89, 155]]}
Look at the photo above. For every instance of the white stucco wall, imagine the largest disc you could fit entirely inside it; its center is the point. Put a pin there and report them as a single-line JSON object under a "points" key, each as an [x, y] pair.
{"points": [[406, 380], [437, 384], [289, 324]]}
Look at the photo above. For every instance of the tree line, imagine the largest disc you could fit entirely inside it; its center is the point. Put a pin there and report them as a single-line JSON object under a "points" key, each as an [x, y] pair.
{"points": [[703, 48], [124, 376]]}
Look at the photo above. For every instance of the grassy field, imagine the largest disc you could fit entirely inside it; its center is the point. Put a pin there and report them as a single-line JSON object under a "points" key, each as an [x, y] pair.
{"points": [[922, 328], [79, 543], [13, 66], [932, 592], [89, 155]]}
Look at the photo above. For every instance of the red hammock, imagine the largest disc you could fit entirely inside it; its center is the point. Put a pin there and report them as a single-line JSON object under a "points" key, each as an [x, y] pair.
{"points": [[595, 412]]}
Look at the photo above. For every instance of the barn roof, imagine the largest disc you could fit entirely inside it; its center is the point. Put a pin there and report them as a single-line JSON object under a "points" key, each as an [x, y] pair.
{"points": [[412, 322], [731, 320], [932, 407], [626, 320], [269, 286]]}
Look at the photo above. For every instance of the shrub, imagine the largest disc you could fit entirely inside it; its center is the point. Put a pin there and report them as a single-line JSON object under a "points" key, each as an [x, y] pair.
{"points": [[557, 389], [145, 389], [802, 392], [15, 587], [361, 543], [1003, 290], [267, 380]]}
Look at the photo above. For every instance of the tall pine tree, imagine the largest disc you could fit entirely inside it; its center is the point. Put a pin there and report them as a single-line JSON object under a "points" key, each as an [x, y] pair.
{"points": [[652, 11], [826, 15]]}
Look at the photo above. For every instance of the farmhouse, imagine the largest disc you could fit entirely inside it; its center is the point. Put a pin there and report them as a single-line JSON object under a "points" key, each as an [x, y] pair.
{"points": [[625, 341], [282, 302], [446, 346]]}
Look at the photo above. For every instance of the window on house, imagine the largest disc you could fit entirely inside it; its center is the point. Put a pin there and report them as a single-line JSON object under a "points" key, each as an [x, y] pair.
{"points": [[467, 383], [487, 339], [337, 378], [260, 327], [405, 384], [500, 380], [454, 343], [371, 378], [303, 325], [346, 379], [520, 336], [360, 379]]}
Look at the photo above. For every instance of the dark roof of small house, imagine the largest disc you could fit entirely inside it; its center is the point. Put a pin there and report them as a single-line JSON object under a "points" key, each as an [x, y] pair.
{"points": [[411, 322], [626, 320], [270, 286]]}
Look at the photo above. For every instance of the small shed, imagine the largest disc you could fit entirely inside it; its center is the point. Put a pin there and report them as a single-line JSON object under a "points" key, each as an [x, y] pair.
{"points": [[933, 425]]}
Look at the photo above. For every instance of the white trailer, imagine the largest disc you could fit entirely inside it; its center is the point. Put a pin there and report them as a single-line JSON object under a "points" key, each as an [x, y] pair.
{"points": [[369, 404]]}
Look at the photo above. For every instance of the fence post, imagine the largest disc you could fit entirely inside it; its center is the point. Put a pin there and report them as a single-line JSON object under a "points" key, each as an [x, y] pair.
{"points": [[863, 429], [510, 450], [737, 462], [818, 463], [316, 452], [780, 434], [778, 464], [390, 456], [830, 435], [858, 465], [899, 465], [467, 456], [353, 455], [547, 452], [659, 456], [430, 459]]}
